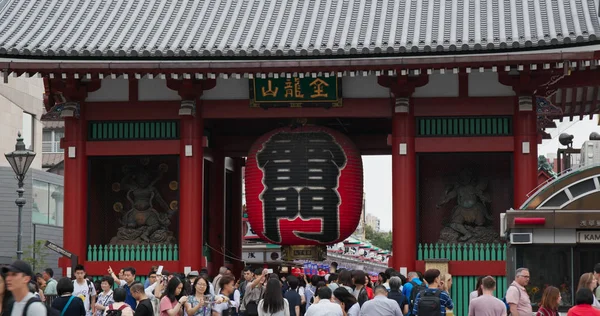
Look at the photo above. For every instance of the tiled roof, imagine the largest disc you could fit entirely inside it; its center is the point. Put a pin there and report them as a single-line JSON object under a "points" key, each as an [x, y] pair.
{"points": [[51, 159], [54, 124], [184, 28]]}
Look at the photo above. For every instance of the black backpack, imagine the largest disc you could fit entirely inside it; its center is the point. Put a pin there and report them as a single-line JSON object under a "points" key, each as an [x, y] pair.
{"points": [[416, 289], [49, 311], [429, 303], [115, 312], [362, 296]]}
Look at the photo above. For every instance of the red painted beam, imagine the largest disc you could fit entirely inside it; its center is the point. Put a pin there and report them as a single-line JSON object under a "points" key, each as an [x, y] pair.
{"points": [[464, 144], [530, 221], [140, 110], [98, 268], [472, 268], [138, 147], [464, 106], [237, 109]]}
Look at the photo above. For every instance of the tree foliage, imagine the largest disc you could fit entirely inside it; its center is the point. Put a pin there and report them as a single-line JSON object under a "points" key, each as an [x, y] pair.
{"points": [[382, 240], [35, 254]]}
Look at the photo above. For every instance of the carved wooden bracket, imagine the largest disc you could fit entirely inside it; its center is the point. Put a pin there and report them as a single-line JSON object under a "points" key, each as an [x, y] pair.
{"points": [[535, 83], [191, 89], [58, 91], [402, 86]]}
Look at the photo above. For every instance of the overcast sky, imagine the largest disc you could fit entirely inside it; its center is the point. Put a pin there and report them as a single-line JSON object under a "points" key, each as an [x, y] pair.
{"points": [[378, 169]]}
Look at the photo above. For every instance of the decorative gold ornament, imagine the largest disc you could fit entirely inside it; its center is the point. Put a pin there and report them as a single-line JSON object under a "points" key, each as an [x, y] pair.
{"points": [[163, 167], [118, 207], [116, 187], [173, 185], [174, 205]]}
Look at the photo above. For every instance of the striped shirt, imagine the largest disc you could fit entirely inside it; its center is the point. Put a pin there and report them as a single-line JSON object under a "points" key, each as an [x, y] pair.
{"points": [[445, 301]]}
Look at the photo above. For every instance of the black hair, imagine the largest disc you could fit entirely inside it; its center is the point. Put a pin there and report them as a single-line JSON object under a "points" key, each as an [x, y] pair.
{"points": [[171, 289], [200, 277], [358, 276], [186, 290], [8, 299], [248, 268], [151, 273], [597, 268], [119, 294], [332, 277], [431, 275], [388, 273], [64, 285], [50, 272], [402, 277], [226, 279], [79, 267], [137, 287], [109, 280], [345, 278], [273, 300], [584, 297], [342, 295], [314, 280], [130, 269], [292, 282], [384, 276], [324, 293]]}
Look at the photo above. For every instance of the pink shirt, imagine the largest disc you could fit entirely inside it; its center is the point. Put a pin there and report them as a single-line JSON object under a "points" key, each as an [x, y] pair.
{"points": [[166, 304], [516, 294], [487, 305]]}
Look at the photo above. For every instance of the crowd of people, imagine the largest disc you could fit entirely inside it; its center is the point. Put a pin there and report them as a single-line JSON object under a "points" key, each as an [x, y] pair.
{"points": [[260, 292]]}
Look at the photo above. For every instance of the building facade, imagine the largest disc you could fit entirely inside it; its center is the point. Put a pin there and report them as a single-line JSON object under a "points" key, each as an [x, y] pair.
{"points": [[22, 107], [373, 222]]}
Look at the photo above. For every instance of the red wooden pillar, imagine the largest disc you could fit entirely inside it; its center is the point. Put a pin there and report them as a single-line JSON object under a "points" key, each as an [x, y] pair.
{"points": [[217, 213], [404, 192], [236, 215], [75, 187], [191, 179], [525, 151]]}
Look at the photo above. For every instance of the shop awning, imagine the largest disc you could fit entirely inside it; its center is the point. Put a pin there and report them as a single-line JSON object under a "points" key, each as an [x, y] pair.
{"points": [[263, 28]]}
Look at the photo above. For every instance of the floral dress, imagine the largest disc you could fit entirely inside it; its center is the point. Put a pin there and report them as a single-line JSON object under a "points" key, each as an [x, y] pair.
{"points": [[104, 299], [203, 311]]}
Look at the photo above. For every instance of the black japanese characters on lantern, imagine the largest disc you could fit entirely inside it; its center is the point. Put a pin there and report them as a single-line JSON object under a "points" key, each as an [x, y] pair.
{"points": [[301, 172]]}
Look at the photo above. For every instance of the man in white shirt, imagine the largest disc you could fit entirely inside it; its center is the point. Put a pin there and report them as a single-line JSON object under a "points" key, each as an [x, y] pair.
{"points": [[84, 289], [18, 275], [323, 306]]}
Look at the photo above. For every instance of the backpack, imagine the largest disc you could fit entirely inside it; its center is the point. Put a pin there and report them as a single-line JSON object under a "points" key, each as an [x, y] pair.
{"points": [[115, 312], [49, 311], [506, 303], [362, 296], [416, 289], [90, 286], [429, 303]]}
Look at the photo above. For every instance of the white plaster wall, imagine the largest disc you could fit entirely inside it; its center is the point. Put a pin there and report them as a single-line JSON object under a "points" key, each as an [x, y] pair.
{"points": [[156, 90], [439, 85], [363, 87], [17, 96], [485, 84], [111, 90], [229, 89]]}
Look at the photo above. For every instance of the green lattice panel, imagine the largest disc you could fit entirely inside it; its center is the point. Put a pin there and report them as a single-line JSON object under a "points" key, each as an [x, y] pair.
{"points": [[464, 126], [136, 130]]}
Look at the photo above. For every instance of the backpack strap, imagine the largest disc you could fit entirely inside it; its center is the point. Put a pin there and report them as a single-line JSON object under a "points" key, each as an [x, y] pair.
{"points": [[29, 302], [124, 306], [64, 310]]}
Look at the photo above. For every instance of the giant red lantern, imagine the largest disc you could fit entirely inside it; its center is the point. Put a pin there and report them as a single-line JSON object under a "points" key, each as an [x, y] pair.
{"points": [[304, 186]]}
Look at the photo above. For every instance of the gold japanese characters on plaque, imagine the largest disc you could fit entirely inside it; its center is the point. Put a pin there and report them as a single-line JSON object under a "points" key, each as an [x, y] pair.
{"points": [[322, 92]]}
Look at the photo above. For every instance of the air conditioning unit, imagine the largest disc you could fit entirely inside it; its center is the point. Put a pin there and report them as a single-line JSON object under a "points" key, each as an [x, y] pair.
{"points": [[521, 238], [590, 153]]}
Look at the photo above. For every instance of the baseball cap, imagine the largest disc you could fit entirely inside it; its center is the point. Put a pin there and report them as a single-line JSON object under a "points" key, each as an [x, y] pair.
{"points": [[193, 274], [18, 266]]}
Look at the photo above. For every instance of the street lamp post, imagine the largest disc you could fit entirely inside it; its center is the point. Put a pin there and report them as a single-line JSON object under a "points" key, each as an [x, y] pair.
{"points": [[20, 160]]}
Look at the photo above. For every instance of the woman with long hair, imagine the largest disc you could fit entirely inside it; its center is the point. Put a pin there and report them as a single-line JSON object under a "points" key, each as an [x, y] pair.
{"points": [[169, 305], [273, 303], [347, 301], [589, 281], [198, 302], [478, 290], [550, 301], [6, 299], [381, 279]]}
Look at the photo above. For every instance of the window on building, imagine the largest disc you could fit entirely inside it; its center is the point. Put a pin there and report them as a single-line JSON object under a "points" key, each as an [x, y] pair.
{"points": [[51, 141], [550, 266], [27, 130], [47, 203]]}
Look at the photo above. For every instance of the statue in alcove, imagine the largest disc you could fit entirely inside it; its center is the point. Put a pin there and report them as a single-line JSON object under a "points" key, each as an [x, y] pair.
{"points": [[469, 215], [148, 219]]}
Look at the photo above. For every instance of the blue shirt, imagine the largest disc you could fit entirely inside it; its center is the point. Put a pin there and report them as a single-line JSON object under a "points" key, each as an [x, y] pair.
{"points": [[445, 301], [130, 300]]}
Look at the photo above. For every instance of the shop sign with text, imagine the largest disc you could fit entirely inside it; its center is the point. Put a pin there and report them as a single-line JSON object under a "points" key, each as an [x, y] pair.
{"points": [[297, 92], [589, 237]]}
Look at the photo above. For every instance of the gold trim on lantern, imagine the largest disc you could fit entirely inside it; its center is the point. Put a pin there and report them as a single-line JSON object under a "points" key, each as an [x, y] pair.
{"points": [[174, 205], [173, 185], [118, 207]]}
